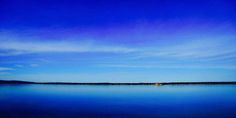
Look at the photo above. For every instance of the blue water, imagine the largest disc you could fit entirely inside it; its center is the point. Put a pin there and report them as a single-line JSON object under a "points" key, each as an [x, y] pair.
{"points": [[81, 101]]}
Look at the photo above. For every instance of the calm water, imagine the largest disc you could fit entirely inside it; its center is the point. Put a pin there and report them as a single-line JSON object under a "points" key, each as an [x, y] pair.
{"points": [[117, 101]]}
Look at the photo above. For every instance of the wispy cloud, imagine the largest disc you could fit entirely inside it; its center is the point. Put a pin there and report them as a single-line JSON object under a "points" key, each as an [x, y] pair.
{"points": [[168, 66], [5, 69], [19, 65], [18, 47], [34, 65], [195, 49], [188, 42]]}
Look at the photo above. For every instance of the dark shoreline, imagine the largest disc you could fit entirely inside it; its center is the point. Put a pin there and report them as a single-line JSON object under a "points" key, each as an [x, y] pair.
{"points": [[107, 83]]}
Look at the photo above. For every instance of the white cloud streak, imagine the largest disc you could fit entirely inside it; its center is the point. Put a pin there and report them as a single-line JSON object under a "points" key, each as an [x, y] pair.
{"points": [[220, 44], [148, 66], [5, 69], [17, 47], [196, 49]]}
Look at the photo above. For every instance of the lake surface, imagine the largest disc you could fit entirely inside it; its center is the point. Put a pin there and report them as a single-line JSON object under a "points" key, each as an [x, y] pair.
{"points": [[91, 101]]}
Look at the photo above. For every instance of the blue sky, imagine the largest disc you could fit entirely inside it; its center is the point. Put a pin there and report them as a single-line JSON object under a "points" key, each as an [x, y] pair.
{"points": [[118, 41]]}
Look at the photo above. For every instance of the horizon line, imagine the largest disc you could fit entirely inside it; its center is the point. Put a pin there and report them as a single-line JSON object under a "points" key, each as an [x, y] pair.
{"points": [[118, 83]]}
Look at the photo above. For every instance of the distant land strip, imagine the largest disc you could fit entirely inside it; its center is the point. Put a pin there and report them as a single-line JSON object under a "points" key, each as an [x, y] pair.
{"points": [[107, 83]]}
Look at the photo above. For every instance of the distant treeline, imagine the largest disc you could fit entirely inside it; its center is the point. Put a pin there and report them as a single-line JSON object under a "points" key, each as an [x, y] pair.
{"points": [[107, 83]]}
